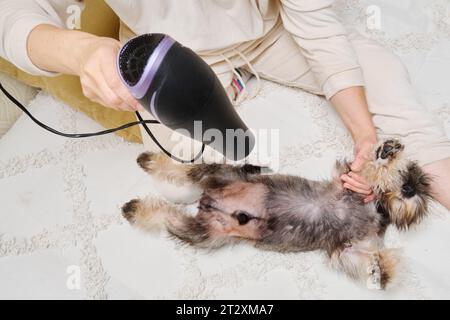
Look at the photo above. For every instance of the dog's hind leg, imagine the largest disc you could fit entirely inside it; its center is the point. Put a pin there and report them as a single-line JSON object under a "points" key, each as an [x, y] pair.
{"points": [[164, 168], [205, 229], [367, 261], [170, 179], [148, 214], [202, 175], [151, 214]]}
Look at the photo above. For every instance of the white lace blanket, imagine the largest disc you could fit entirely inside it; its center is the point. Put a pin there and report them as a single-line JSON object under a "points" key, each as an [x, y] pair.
{"points": [[60, 199]]}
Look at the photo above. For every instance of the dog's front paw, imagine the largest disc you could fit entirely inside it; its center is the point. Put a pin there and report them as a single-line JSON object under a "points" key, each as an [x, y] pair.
{"points": [[388, 150], [130, 209]]}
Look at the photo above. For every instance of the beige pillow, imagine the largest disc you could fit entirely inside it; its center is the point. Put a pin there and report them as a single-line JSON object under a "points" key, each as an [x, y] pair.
{"points": [[9, 112]]}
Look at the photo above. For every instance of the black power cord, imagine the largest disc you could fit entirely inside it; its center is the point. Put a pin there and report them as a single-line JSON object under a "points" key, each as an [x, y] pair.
{"points": [[100, 133], [147, 129]]}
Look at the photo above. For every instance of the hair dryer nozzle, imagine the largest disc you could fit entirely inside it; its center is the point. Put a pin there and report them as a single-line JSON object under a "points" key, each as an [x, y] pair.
{"points": [[181, 91]]}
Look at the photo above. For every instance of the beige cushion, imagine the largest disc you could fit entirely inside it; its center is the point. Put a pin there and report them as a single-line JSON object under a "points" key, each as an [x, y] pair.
{"points": [[9, 112]]}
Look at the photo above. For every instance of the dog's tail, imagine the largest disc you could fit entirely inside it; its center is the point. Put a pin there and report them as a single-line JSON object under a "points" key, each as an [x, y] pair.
{"points": [[384, 269], [377, 268]]}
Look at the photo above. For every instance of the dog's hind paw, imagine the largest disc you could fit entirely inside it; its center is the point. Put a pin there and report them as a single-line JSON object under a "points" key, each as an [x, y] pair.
{"points": [[129, 210], [145, 160], [374, 271]]}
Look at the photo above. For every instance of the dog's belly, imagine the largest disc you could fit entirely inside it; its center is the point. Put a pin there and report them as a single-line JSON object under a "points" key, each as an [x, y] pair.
{"points": [[312, 224]]}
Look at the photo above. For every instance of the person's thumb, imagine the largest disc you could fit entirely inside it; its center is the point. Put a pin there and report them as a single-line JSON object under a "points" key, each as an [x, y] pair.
{"points": [[357, 164]]}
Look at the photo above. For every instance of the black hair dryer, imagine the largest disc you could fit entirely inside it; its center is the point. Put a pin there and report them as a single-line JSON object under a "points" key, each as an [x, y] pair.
{"points": [[182, 92]]}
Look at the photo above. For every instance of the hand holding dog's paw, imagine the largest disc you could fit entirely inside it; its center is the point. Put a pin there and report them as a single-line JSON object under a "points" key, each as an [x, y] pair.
{"points": [[353, 181]]}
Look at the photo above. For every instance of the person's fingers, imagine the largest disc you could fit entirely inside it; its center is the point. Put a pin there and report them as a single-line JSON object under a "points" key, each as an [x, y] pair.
{"points": [[358, 190], [369, 198], [93, 90], [127, 98], [125, 107], [99, 100], [104, 96], [91, 94], [110, 98], [87, 92], [355, 183], [357, 177], [115, 84]]}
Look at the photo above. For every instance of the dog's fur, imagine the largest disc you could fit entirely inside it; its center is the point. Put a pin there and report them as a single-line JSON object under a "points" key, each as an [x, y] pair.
{"points": [[289, 213]]}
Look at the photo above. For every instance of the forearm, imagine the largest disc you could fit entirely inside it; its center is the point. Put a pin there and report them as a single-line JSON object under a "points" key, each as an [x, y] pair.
{"points": [[351, 105], [57, 50]]}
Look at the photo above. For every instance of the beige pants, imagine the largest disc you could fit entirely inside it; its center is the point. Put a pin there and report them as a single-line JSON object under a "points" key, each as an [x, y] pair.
{"points": [[396, 110]]}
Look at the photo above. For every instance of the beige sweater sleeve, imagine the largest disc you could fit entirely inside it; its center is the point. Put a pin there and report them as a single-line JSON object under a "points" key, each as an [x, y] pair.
{"points": [[323, 41], [17, 20]]}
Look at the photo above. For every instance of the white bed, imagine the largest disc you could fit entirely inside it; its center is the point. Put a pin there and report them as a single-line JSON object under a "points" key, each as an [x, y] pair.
{"points": [[60, 199]]}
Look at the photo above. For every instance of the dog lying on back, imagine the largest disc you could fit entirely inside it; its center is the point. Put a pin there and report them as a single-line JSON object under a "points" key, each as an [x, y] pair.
{"points": [[289, 213]]}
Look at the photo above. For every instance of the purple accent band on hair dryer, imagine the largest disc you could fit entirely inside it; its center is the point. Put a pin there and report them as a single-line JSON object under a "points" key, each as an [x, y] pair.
{"points": [[139, 89], [152, 106]]}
